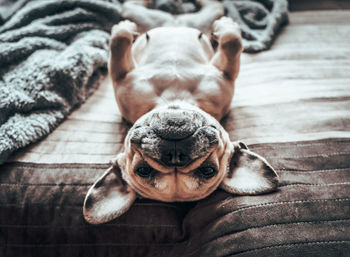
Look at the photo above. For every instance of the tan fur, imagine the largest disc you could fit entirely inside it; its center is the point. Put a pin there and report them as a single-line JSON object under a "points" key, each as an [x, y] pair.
{"points": [[170, 81], [180, 182]]}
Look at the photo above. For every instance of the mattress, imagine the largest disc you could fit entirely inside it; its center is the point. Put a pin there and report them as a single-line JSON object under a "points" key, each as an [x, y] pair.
{"points": [[291, 105]]}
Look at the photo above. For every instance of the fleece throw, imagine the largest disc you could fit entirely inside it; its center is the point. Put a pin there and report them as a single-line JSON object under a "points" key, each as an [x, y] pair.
{"points": [[53, 54]]}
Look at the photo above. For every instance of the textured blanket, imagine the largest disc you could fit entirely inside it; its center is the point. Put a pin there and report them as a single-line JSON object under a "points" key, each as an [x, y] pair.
{"points": [[53, 54]]}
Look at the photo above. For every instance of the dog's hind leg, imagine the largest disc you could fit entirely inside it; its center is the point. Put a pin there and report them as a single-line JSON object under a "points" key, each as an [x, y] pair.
{"points": [[210, 11], [227, 58], [120, 59], [146, 19]]}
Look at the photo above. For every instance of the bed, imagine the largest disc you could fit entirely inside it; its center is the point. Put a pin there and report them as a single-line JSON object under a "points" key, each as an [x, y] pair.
{"points": [[291, 105]]}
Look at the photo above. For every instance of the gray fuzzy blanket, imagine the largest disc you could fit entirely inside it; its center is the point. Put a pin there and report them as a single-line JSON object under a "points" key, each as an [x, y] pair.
{"points": [[54, 53]]}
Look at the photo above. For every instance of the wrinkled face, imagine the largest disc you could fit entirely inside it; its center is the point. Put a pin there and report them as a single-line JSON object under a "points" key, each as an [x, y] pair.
{"points": [[175, 153]]}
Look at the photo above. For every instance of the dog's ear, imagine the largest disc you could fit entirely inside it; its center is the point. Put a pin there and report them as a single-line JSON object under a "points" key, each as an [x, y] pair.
{"points": [[249, 173], [108, 198]]}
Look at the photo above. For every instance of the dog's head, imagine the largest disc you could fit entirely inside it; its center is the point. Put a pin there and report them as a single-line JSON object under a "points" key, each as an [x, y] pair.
{"points": [[176, 153]]}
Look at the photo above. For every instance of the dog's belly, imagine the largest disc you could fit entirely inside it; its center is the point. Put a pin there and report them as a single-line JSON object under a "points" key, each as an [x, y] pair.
{"points": [[173, 64], [172, 45], [148, 86]]}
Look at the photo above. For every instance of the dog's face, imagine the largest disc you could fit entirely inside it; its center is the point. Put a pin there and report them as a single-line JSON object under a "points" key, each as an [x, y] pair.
{"points": [[176, 153]]}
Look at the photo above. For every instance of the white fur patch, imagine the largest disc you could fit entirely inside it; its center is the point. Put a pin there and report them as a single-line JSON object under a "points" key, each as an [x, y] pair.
{"points": [[246, 181]]}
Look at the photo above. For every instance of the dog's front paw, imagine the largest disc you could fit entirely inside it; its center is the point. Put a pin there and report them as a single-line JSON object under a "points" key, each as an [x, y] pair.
{"points": [[225, 23], [225, 28], [228, 34], [124, 29]]}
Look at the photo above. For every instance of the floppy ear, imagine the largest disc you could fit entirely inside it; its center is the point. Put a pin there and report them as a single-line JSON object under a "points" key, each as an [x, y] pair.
{"points": [[249, 173], [108, 198]]}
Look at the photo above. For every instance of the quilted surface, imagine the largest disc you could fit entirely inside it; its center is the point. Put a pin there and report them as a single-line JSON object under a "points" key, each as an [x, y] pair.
{"points": [[41, 212]]}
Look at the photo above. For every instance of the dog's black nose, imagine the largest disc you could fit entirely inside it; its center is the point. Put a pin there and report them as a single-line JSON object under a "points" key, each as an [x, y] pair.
{"points": [[175, 153]]}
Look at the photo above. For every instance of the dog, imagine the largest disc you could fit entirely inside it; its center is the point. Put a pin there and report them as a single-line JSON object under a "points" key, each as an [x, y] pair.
{"points": [[174, 87]]}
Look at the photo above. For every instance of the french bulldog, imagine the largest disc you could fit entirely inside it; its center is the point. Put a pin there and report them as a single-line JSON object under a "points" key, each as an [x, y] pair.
{"points": [[175, 87]]}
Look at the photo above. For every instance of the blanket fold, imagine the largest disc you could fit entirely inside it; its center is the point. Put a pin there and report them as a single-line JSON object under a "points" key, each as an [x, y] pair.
{"points": [[54, 53]]}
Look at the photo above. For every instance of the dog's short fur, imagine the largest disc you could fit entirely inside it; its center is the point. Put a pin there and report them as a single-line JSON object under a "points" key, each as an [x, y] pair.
{"points": [[175, 88]]}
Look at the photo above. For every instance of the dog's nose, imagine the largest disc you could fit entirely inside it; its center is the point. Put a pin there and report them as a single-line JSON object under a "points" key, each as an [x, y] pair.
{"points": [[175, 153]]}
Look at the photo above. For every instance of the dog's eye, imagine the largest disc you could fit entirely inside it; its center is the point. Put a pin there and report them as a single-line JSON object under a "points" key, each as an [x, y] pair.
{"points": [[145, 171], [206, 172]]}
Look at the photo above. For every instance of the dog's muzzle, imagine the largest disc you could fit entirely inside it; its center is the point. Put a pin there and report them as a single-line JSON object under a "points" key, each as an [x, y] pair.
{"points": [[175, 137]]}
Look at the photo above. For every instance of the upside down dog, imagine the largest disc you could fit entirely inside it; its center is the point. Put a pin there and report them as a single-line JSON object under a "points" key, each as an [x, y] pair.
{"points": [[175, 88]]}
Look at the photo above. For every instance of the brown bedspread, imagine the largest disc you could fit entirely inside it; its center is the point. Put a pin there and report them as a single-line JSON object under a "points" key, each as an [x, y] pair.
{"points": [[292, 105]]}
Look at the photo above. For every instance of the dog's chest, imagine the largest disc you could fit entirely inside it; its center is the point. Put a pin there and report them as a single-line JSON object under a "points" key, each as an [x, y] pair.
{"points": [[148, 86], [173, 65]]}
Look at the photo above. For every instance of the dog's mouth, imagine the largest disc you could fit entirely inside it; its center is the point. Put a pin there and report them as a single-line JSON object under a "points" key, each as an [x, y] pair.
{"points": [[175, 138]]}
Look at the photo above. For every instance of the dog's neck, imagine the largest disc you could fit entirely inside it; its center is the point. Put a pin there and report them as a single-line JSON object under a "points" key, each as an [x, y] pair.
{"points": [[177, 64], [171, 96], [199, 84], [177, 103]]}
